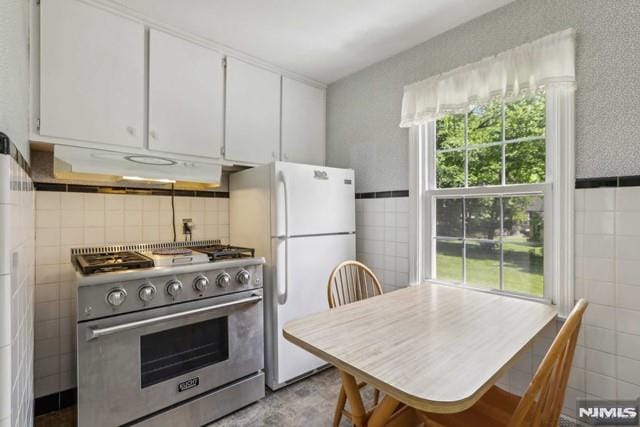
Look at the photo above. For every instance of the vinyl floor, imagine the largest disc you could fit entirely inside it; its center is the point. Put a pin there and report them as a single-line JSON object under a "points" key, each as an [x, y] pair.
{"points": [[310, 403]]}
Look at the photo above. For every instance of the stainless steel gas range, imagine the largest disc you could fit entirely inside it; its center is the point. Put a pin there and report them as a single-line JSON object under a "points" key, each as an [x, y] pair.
{"points": [[169, 334]]}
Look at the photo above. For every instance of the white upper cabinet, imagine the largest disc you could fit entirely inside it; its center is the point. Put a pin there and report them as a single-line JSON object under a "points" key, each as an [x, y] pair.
{"points": [[186, 94], [252, 114], [303, 123], [92, 74]]}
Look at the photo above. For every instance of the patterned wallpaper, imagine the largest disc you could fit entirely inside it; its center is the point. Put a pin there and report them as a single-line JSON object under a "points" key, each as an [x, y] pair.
{"points": [[363, 110], [14, 72]]}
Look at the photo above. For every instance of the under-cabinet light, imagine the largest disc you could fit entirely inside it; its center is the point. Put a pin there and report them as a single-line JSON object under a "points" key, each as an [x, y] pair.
{"points": [[138, 178]]}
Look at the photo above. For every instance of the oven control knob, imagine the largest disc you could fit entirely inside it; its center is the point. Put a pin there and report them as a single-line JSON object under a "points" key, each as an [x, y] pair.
{"points": [[201, 283], [116, 297], [243, 277], [223, 280], [147, 292], [174, 287]]}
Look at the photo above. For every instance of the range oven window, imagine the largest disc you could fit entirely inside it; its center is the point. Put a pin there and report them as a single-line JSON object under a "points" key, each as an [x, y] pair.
{"points": [[169, 354]]}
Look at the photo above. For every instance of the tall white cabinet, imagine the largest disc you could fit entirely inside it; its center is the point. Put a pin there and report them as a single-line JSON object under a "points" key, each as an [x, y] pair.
{"points": [[186, 94], [92, 78], [252, 113], [303, 123]]}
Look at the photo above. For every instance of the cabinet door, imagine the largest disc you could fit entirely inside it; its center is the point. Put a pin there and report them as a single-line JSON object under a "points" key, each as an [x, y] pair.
{"points": [[303, 123], [252, 114], [186, 94], [91, 74]]}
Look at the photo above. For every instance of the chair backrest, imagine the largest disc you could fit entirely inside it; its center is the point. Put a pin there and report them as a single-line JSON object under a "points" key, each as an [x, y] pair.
{"points": [[351, 281], [542, 403]]}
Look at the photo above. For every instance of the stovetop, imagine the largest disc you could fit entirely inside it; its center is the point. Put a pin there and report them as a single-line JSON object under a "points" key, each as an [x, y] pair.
{"points": [[89, 261], [117, 280]]}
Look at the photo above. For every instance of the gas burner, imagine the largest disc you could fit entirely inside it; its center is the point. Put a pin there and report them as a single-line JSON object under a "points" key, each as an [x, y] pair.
{"points": [[220, 252], [105, 262]]}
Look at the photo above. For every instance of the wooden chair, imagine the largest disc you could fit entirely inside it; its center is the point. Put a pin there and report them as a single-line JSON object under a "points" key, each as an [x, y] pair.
{"points": [[349, 282], [540, 405]]}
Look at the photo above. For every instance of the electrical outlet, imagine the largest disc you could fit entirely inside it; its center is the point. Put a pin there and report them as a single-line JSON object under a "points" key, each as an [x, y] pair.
{"points": [[187, 225]]}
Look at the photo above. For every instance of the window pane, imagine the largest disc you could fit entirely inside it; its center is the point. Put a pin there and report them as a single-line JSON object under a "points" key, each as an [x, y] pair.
{"points": [[525, 118], [450, 132], [525, 162], [449, 261], [523, 219], [450, 169], [483, 264], [449, 218], [485, 166], [524, 268], [484, 123], [483, 217]]}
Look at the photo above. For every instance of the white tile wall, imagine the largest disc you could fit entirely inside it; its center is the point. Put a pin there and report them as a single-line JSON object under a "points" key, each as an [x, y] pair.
{"points": [[607, 360], [66, 220], [382, 229], [609, 278], [16, 294]]}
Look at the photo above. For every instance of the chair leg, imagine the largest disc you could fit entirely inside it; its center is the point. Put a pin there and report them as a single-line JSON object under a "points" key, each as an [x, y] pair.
{"points": [[342, 400], [376, 396]]}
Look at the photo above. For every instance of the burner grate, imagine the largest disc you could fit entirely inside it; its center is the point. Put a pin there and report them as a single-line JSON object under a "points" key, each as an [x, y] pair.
{"points": [[220, 252], [104, 262]]}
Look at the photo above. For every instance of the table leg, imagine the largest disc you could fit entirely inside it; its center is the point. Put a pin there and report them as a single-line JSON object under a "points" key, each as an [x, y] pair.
{"points": [[383, 412], [358, 414], [380, 415]]}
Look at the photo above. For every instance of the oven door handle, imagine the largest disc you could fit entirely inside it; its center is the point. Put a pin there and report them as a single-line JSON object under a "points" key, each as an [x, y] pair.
{"points": [[94, 333]]}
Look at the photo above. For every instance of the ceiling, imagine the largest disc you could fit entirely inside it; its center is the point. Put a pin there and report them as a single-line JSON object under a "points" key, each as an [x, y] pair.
{"points": [[324, 40]]}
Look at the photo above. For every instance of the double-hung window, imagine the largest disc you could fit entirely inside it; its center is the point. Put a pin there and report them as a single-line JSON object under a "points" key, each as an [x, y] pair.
{"points": [[491, 173], [487, 197]]}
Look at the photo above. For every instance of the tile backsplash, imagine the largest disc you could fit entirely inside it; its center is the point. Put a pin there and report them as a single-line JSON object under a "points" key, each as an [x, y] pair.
{"points": [[382, 230], [16, 294], [608, 275], [607, 359], [68, 219], [606, 363]]}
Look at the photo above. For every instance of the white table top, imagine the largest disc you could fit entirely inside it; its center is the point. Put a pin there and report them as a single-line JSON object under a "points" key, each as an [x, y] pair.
{"points": [[434, 347]]}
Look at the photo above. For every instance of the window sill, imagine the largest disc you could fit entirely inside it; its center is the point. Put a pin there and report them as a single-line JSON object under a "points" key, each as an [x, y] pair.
{"points": [[490, 291]]}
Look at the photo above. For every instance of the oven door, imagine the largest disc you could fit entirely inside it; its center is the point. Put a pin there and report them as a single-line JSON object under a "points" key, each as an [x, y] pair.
{"points": [[133, 365]]}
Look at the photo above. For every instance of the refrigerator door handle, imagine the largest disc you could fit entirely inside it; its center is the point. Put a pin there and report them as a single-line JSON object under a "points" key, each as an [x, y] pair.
{"points": [[282, 297]]}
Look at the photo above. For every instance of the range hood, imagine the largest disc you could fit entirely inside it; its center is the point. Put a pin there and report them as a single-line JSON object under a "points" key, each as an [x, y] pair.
{"points": [[111, 166]]}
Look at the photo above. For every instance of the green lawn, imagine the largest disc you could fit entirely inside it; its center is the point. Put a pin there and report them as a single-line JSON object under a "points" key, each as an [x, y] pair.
{"points": [[523, 265]]}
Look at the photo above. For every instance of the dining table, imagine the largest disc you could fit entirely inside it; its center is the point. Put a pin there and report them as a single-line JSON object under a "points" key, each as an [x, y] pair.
{"points": [[429, 347]]}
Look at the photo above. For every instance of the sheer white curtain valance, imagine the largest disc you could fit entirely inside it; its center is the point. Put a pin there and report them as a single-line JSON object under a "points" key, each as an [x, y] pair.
{"points": [[525, 69]]}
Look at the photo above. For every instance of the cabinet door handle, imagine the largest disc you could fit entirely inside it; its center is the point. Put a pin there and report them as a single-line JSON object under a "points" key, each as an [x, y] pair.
{"points": [[131, 130], [153, 134]]}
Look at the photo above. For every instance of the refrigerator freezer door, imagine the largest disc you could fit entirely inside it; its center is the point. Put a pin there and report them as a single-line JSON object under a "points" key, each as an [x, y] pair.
{"points": [[311, 260], [319, 200]]}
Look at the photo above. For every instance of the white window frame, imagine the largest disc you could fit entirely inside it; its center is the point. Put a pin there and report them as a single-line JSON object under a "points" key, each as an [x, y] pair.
{"points": [[558, 192]]}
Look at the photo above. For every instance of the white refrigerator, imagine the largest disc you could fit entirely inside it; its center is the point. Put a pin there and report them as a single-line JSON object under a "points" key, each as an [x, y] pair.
{"points": [[301, 218]]}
